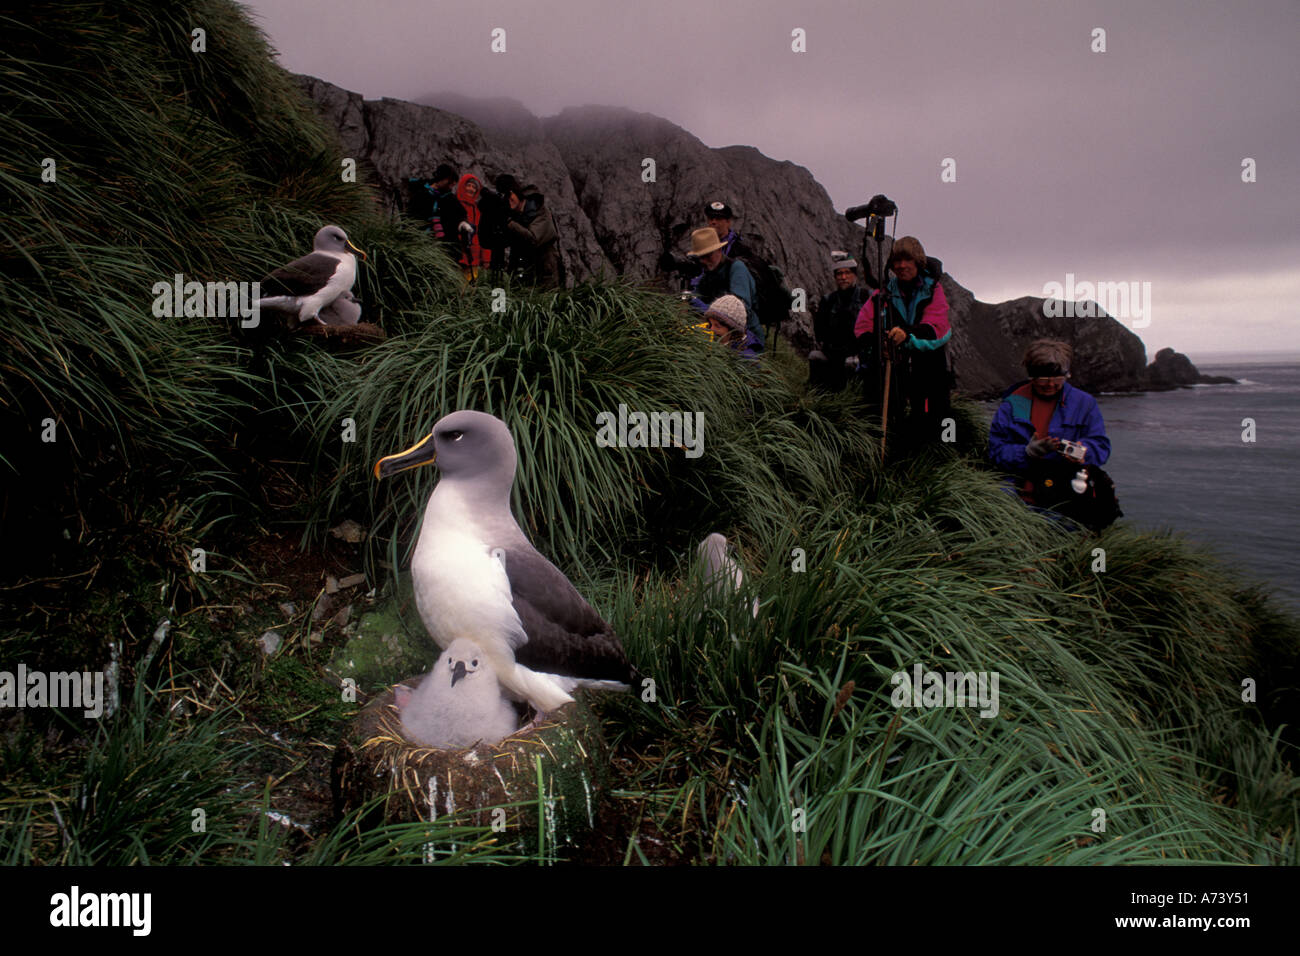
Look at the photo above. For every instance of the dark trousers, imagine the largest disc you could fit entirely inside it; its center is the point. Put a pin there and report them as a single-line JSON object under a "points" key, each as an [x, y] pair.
{"points": [[919, 398], [828, 374]]}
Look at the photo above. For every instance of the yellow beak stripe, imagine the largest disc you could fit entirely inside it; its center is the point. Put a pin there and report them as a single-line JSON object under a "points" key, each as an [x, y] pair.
{"points": [[413, 451]]}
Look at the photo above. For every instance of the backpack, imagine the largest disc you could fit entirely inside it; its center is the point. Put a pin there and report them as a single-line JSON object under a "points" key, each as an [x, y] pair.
{"points": [[1095, 508], [419, 205], [771, 297]]}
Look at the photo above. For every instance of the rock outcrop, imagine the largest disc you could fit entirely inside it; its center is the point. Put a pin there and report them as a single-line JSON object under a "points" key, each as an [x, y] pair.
{"points": [[617, 214], [989, 341], [1172, 370]]}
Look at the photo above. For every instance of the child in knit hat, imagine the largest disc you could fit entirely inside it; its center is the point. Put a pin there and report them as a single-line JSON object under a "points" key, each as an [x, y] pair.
{"points": [[728, 322]]}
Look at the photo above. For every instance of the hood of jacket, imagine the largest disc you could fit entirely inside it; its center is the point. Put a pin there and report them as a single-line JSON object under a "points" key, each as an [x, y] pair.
{"points": [[469, 189]]}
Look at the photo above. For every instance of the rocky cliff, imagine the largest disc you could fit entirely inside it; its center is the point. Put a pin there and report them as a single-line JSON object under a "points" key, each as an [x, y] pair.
{"points": [[394, 139], [617, 214]]}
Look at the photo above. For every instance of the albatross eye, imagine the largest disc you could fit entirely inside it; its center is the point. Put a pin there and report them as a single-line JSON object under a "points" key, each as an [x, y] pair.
{"points": [[455, 436], [473, 663]]}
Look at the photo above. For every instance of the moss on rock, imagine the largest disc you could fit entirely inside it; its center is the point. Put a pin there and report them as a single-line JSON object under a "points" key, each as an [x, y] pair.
{"points": [[389, 642]]}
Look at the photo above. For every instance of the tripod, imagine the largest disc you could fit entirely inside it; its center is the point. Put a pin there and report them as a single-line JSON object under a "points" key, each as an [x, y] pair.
{"points": [[881, 314]]}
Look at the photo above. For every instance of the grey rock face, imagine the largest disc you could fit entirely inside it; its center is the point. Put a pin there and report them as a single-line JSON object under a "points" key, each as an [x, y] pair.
{"points": [[781, 211], [1170, 370], [394, 140], [990, 340], [589, 162]]}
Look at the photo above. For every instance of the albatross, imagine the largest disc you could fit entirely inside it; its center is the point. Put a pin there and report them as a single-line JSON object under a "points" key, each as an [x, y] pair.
{"points": [[317, 282], [723, 576], [477, 575]]}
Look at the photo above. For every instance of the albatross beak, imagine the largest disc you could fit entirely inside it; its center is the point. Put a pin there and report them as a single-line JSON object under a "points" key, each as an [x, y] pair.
{"points": [[457, 672], [421, 453], [355, 249]]}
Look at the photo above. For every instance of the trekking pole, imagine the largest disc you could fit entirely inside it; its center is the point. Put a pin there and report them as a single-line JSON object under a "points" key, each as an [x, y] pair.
{"points": [[884, 412], [884, 349]]}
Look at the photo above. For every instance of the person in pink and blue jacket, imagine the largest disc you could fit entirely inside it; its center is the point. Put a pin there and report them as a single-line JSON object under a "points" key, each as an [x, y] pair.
{"points": [[916, 335]]}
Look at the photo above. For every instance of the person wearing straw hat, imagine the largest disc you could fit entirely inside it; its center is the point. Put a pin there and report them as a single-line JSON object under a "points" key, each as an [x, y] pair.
{"points": [[721, 276], [835, 357], [719, 217]]}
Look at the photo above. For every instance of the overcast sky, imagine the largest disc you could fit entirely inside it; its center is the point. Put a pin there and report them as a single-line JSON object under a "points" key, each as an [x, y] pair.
{"points": [[1116, 166]]}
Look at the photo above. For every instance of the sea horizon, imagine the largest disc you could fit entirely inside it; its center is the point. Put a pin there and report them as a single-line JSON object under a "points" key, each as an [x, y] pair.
{"points": [[1254, 357]]}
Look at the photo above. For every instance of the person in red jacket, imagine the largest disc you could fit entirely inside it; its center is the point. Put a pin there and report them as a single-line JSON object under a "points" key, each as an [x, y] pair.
{"points": [[472, 255]]}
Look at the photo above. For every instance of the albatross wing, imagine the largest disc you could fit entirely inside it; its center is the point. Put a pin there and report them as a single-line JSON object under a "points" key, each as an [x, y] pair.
{"points": [[303, 277], [566, 636]]}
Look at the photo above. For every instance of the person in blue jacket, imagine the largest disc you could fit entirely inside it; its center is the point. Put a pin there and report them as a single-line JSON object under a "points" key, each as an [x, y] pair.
{"points": [[721, 275], [1037, 416]]}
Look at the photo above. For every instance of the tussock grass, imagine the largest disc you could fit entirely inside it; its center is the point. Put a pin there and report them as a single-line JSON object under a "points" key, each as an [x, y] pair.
{"points": [[146, 790], [1085, 719]]}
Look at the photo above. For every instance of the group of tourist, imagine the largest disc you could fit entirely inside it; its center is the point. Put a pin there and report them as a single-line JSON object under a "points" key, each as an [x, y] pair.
{"points": [[892, 343], [736, 290], [508, 229], [1046, 434]]}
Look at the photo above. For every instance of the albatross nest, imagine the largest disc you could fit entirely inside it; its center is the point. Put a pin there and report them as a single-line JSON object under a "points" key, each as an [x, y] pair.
{"points": [[540, 783]]}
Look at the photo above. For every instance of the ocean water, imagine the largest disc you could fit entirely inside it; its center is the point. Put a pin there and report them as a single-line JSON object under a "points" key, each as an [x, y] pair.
{"points": [[1179, 462]]}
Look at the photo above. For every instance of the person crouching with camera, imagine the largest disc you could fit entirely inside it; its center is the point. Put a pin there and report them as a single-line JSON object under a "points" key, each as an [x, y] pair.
{"points": [[1050, 437]]}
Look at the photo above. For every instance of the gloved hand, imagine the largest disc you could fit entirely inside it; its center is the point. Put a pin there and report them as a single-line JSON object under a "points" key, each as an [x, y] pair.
{"points": [[851, 363], [466, 231], [1038, 447], [897, 335]]}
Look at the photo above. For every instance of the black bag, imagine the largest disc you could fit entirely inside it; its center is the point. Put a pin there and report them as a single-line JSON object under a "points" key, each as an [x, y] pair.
{"points": [[419, 203], [1095, 508], [771, 297]]}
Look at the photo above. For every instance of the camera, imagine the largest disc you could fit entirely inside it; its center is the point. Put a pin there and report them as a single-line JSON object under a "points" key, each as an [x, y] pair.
{"points": [[1072, 449], [875, 212]]}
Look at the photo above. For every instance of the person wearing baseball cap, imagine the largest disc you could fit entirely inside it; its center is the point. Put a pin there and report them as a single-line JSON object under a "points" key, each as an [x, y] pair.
{"points": [[720, 216]]}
